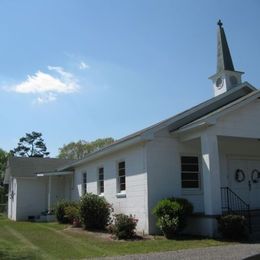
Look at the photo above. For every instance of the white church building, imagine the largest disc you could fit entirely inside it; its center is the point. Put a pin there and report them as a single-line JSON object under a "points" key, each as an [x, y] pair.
{"points": [[209, 154]]}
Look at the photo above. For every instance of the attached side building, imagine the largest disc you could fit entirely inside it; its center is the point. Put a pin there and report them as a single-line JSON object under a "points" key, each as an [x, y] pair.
{"points": [[28, 194]]}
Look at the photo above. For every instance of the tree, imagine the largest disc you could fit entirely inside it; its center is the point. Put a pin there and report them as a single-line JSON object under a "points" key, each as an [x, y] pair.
{"points": [[3, 160], [31, 145], [3, 188], [78, 150]]}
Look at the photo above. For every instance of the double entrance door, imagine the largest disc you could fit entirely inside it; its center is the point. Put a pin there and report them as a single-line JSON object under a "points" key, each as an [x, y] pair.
{"points": [[244, 180]]}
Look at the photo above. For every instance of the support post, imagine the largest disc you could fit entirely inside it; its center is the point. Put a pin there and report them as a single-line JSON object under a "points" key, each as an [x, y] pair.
{"points": [[211, 178], [49, 193]]}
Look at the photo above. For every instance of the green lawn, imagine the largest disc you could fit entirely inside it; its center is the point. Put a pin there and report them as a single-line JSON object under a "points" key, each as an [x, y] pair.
{"points": [[24, 240]]}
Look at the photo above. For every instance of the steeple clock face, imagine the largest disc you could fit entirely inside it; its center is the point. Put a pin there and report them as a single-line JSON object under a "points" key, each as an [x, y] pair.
{"points": [[219, 83]]}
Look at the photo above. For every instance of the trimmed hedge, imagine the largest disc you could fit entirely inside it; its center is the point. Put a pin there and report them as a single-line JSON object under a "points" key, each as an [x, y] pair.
{"points": [[60, 210], [233, 227], [94, 211], [124, 226], [172, 215], [72, 213]]}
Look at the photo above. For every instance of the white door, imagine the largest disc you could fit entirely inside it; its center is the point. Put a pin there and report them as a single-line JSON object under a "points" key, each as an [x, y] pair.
{"points": [[244, 180], [254, 175]]}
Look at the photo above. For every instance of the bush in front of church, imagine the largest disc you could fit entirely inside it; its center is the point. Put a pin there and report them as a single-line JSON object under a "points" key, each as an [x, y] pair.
{"points": [[233, 227], [172, 215], [123, 226], [94, 211], [62, 208]]}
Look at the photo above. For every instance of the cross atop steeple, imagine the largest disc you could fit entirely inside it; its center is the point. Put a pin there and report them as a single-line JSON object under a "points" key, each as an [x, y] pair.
{"points": [[226, 76], [219, 23], [224, 61]]}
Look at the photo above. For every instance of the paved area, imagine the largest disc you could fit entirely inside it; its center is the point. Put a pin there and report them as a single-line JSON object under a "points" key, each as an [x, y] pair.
{"points": [[234, 252]]}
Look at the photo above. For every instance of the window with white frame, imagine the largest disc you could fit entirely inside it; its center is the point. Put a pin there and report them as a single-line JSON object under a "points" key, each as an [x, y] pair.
{"points": [[121, 177], [84, 183], [101, 180], [190, 175]]}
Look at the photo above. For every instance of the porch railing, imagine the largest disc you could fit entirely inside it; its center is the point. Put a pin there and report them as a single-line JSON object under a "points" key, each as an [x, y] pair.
{"points": [[233, 204]]}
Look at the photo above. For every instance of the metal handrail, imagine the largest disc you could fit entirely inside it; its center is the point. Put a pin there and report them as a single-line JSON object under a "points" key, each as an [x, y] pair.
{"points": [[233, 204]]}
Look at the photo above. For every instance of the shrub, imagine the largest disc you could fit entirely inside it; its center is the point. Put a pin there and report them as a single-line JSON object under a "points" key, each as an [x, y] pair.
{"points": [[233, 227], [168, 225], [124, 226], [172, 215], [60, 210], [94, 211], [72, 213]]}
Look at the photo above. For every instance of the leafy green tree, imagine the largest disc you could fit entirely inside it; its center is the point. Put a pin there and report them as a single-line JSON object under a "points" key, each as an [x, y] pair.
{"points": [[78, 150], [31, 145], [3, 160], [3, 188]]}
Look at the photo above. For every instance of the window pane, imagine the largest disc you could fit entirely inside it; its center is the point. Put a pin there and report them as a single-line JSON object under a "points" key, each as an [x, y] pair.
{"points": [[122, 179], [121, 176], [121, 172], [121, 165], [189, 159], [190, 171], [122, 186], [190, 167], [101, 186], [190, 184], [190, 176]]}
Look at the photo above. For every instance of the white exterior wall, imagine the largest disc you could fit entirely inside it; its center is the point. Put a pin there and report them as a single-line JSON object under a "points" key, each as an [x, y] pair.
{"points": [[12, 203], [236, 148], [164, 172], [31, 197], [243, 122], [135, 201], [60, 189]]}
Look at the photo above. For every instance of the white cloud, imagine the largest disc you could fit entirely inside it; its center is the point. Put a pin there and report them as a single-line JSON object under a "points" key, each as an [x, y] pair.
{"points": [[47, 86], [83, 65]]}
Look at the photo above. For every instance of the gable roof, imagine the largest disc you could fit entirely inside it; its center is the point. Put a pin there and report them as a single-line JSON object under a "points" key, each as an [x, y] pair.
{"points": [[28, 166], [210, 119], [172, 123]]}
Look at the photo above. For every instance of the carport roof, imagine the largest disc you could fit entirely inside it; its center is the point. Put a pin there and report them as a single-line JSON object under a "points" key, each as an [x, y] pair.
{"points": [[29, 166]]}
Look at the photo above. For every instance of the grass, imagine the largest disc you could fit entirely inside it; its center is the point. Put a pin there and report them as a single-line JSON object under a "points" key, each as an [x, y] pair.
{"points": [[25, 240]]}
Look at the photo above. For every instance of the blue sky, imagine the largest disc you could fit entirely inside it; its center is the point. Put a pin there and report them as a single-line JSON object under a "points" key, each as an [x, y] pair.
{"points": [[88, 69]]}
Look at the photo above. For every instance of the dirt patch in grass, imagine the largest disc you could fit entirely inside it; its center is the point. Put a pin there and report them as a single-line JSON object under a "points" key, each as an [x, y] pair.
{"points": [[105, 235]]}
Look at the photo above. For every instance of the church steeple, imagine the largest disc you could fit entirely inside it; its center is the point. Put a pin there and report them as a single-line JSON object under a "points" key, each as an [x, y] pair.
{"points": [[226, 77], [224, 61]]}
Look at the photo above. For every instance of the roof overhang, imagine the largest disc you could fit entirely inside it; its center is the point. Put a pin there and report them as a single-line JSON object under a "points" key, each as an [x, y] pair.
{"points": [[212, 105], [229, 72], [211, 118]]}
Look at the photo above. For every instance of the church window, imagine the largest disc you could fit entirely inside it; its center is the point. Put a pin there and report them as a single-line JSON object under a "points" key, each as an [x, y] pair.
{"points": [[190, 175]]}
